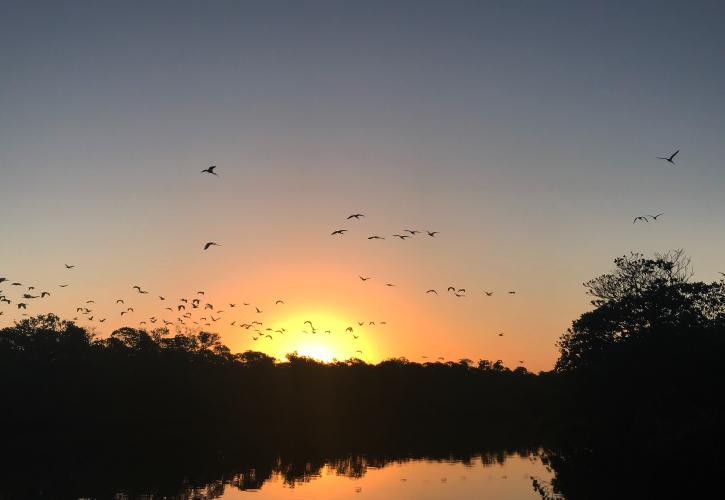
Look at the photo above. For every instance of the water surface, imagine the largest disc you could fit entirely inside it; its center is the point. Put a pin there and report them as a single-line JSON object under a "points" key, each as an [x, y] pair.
{"points": [[497, 476]]}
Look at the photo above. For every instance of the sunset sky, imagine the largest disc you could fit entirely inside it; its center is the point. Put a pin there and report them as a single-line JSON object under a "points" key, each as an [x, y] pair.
{"points": [[525, 132]]}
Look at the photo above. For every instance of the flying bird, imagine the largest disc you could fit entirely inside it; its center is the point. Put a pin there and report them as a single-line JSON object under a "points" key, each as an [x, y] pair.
{"points": [[375, 237], [363, 278], [641, 217], [279, 302], [401, 236], [432, 291], [512, 293], [413, 232], [44, 294], [669, 158], [655, 216], [488, 293], [432, 233], [69, 267], [211, 244], [210, 170], [355, 216], [338, 231], [62, 286]]}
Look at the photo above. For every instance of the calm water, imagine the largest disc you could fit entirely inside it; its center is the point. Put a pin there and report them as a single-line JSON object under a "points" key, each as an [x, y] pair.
{"points": [[497, 476]]}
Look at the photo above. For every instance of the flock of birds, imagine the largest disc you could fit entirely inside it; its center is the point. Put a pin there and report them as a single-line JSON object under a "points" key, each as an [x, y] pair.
{"points": [[196, 312], [186, 312]]}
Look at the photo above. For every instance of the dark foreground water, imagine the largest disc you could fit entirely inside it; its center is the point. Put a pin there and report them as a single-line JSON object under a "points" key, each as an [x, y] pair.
{"points": [[129, 465], [207, 462]]}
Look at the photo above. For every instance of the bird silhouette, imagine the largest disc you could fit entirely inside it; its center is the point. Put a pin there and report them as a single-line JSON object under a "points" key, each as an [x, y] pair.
{"points": [[401, 236], [338, 231], [655, 216], [67, 266], [432, 233], [44, 294], [22, 305], [641, 217], [211, 244], [432, 291], [279, 302], [512, 293], [413, 232], [488, 293], [355, 216], [363, 278], [375, 237], [348, 329], [259, 311], [669, 158], [389, 284], [62, 286], [210, 170]]}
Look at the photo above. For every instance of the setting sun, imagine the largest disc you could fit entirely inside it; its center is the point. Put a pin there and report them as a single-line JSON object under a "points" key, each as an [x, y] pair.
{"points": [[315, 350]]}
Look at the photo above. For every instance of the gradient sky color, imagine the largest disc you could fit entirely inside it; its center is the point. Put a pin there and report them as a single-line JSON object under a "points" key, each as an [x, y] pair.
{"points": [[525, 132]]}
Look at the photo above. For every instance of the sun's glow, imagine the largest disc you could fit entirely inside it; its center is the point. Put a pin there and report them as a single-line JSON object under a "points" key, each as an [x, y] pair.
{"points": [[316, 351]]}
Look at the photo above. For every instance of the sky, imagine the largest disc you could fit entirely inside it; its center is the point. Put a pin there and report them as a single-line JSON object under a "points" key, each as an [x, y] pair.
{"points": [[525, 132]]}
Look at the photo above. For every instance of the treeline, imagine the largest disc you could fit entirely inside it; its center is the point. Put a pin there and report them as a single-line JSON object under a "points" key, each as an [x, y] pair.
{"points": [[53, 370]]}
